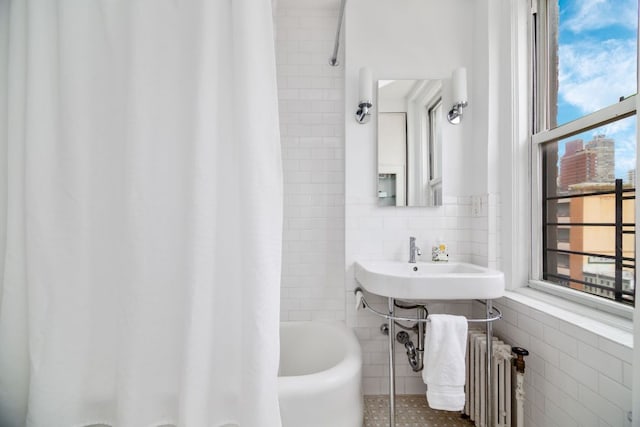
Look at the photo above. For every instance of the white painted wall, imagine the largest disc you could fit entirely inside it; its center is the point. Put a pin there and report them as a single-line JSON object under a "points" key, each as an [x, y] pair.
{"points": [[4, 162], [392, 141], [392, 152], [403, 40]]}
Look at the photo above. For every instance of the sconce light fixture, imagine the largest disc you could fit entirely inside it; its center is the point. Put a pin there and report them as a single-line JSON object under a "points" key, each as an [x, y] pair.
{"points": [[363, 113], [459, 83]]}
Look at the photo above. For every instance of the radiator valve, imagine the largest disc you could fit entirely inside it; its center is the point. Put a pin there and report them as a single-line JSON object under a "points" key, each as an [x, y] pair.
{"points": [[519, 361]]}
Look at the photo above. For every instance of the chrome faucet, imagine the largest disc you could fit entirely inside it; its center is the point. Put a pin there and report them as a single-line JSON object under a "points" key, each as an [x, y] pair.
{"points": [[413, 250]]}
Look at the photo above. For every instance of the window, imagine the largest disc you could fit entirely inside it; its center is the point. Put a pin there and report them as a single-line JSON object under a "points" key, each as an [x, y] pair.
{"points": [[585, 78], [434, 114]]}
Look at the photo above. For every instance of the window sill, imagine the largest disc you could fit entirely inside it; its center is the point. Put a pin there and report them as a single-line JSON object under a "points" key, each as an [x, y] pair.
{"points": [[607, 325], [583, 299]]}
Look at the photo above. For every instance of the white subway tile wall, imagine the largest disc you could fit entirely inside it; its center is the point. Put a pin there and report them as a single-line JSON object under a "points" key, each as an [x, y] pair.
{"points": [[573, 377], [311, 102], [383, 233], [485, 230]]}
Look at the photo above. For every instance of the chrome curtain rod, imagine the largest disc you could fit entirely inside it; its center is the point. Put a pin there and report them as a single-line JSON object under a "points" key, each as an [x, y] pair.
{"points": [[333, 61]]}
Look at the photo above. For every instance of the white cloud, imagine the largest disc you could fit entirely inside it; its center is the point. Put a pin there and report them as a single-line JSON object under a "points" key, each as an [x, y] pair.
{"points": [[624, 134], [621, 127], [592, 76], [595, 14], [624, 163], [625, 152]]}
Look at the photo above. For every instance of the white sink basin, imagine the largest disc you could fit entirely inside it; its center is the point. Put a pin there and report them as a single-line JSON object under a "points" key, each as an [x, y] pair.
{"points": [[429, 280]]}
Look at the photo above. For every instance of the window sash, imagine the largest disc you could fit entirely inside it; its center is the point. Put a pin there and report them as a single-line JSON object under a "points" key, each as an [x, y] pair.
{"points": [[612, 113], [544, 130]]}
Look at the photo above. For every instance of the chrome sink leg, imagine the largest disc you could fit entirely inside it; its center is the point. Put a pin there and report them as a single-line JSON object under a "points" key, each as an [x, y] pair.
{"points": [[392, 373], [422, 313], [489, 360]]}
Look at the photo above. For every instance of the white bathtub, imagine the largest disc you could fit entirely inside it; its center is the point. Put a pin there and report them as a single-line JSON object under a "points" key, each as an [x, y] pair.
{"points": [[319, 381]]}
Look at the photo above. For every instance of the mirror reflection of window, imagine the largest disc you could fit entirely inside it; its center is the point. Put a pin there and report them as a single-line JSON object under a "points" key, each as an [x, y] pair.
{"points": [[410, 142], [435, 153]]}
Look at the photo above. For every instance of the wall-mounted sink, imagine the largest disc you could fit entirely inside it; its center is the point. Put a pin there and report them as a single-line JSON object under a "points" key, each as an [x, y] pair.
{"points": [[429, 281]]}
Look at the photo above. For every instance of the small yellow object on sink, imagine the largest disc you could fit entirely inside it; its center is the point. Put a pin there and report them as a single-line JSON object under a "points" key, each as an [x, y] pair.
{"points": [[439, 253]]}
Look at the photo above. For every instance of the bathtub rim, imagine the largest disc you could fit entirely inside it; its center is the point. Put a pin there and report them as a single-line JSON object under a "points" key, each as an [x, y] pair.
{"points": [[344, 370]]}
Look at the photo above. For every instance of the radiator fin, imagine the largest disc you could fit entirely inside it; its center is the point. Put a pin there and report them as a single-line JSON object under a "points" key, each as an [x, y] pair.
{"points": [[476, 377]]}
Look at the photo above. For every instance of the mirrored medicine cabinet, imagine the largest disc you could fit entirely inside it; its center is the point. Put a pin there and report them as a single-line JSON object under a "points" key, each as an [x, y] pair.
{"points": [[410, 120]]}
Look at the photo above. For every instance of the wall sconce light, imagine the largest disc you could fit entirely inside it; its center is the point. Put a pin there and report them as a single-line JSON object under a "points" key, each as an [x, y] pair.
{"points": [[363, 113], [459, 83]]}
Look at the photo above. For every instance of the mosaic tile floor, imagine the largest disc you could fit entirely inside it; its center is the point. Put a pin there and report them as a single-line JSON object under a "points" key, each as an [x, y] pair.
{"points": [[411, 411]]}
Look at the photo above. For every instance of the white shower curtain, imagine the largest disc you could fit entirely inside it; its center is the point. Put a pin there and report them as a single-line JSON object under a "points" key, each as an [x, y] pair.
{"points": [[140, 213]]}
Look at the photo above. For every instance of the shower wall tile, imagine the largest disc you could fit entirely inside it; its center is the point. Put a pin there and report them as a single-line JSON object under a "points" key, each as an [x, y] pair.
{"points": [[311, 102]]}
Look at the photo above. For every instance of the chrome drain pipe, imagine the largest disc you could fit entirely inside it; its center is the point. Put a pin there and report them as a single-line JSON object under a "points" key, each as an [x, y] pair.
{"points": [[422, 313]]}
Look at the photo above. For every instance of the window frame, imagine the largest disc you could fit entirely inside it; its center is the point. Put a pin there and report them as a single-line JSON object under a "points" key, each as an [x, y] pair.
{"points": [[542, 133], [434, 175]]}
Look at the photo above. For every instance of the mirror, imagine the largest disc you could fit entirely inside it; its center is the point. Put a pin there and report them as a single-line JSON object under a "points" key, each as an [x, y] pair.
{"points": [[410, 119]]}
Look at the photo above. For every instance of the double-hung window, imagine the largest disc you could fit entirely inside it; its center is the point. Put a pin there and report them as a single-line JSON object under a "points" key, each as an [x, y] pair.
{"points": [[584, 135]]}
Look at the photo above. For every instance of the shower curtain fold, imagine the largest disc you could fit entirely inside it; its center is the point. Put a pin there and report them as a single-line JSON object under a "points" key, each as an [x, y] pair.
{"points": [[140, 213]]}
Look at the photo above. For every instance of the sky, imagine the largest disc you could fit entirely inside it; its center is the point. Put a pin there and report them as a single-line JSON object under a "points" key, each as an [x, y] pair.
{"points": [[597, 65]]}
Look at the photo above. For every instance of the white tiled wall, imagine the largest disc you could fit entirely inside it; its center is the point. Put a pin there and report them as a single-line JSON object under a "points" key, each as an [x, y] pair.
{"points": [[383, 233], [311, 101], [485, 230], [573, 376]]}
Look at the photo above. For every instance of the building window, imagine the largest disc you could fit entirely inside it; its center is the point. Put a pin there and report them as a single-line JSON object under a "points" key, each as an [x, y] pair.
{"points": [[585, 78]]}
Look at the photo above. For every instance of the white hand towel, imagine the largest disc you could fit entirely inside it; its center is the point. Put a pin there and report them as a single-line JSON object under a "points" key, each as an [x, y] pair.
{"points": [[444, 361], [359, 297]]}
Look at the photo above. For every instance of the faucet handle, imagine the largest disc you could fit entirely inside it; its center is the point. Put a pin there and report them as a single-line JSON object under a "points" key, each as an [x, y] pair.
{"points": [[413, 250]]}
